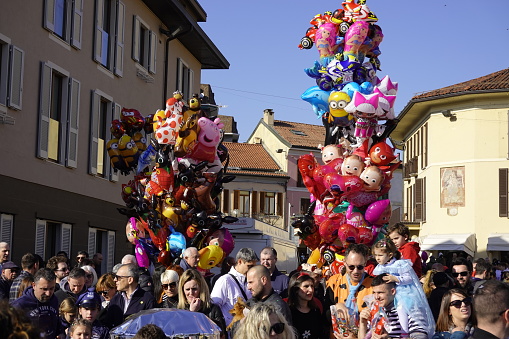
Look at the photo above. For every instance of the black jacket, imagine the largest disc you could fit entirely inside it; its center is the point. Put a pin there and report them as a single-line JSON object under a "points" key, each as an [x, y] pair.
{"points": [[141, 300]]}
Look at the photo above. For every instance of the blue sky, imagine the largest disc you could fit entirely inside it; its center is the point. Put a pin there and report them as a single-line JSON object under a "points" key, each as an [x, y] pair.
{"points": [[427, 45]]}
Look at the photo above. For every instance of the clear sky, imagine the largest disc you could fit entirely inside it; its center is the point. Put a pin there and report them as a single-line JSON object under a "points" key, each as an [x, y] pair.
{"points": [[427, 45]]}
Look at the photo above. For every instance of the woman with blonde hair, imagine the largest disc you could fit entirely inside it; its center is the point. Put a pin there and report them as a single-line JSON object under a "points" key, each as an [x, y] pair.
{"points": [[427, 282], [68, 312], [90, 276], [456, 318], [169, 283], [194, 295], [264, 322]]}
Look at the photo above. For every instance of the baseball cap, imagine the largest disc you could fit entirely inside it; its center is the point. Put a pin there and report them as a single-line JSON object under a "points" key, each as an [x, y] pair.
{"points": [[9, 264], [89, 299]]}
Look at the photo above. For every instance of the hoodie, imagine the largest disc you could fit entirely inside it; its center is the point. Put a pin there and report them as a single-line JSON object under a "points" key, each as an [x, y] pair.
{"points": [[65, 292], [410, 251], [43, 316]]}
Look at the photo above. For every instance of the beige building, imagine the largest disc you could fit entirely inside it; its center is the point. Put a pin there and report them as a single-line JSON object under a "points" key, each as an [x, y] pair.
{"points": [[66, 70], [456, 166]]}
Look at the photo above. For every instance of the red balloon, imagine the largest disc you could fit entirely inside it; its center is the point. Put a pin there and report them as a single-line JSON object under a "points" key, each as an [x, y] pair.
{"points": [[365, 236], [329, 230], [348, 234], [312, 241]]}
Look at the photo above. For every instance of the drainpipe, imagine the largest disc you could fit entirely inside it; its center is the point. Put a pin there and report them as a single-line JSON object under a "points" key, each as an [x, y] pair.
{"points": [[178, 32]]}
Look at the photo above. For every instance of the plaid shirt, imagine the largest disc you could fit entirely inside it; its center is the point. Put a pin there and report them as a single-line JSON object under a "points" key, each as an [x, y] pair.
{"points": [[13, 294]]}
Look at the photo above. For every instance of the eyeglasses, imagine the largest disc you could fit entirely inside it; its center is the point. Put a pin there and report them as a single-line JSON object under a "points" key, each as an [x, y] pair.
{"points": [[118, 277], [277, 328], [89, 276], [103, 292], [170, 285], [63, 270], [457, 303], [353, 267], [463, 274], [80, 258]]}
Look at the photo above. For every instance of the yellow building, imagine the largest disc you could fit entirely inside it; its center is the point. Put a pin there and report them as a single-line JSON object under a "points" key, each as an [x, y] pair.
{"points": [[456, 152]]}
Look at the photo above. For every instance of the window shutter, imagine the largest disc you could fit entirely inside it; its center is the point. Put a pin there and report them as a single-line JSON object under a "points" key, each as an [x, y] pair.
{"points": [[94, 133], [502, 192], [226, 201], [423, 199], [6, 224], [15, 78], [254, 203], [65, 238], [280, 205], [116, 115], [44, 111], [72, 124], [180, 79], [119, 49], [77, 22], [136, 39], [49, 15], [99, 19], [110, 261], [190, 75], [418, 199], [40, 238], [236, 198], [152, 53], [92, 233]]}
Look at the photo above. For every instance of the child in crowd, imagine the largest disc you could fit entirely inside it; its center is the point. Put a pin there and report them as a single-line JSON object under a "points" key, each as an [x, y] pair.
{"points": [[410, 297], [80, 329], [89, 305], [400, 235], [67, 312]]}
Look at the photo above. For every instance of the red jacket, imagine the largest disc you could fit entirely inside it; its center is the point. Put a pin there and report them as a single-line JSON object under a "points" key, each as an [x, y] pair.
{"points": [[410, 251]]}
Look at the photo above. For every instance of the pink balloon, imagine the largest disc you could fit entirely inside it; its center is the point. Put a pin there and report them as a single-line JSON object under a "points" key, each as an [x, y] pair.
{"points": [[141, 255], [379, 212], [348, 234]]}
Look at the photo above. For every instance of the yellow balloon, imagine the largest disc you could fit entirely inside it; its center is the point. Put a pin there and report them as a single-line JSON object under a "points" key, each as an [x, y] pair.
{"points": [[314, 257]]}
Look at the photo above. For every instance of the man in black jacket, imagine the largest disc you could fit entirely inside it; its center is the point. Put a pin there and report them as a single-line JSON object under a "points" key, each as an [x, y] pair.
{"points": [[491, 306], [73, 287]]}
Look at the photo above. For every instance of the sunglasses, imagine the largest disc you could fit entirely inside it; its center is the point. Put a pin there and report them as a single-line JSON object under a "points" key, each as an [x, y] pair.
{"points": [[457, 303], [63, 270], [103, 292], [118, 277], [353, 267], [277, 328], [463, 274], [170, 285]]}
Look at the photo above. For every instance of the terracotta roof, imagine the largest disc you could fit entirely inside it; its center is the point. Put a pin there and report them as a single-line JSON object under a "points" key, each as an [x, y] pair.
{"points": [[299, 134], [251, 157], [263, 174], [494, 81]]}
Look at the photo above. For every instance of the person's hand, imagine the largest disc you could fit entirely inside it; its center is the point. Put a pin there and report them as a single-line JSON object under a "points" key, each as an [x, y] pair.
{"points": [[343, 311], [365, 316], [380, 336], [390, 278], [195, 305], [348, 335]]}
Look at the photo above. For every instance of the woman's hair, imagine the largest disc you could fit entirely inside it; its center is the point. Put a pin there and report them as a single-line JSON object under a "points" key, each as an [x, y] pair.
{"points": [[26, 282], [91, 270], [166, 276], [428, 282], [68, 305], [192, 274], [444, 321], [256, 325], [80, 322], [14, 324], [294, 286], [387, 246], [105, 282]]}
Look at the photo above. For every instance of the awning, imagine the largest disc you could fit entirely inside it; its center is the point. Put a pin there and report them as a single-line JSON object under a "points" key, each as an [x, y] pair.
{"points": [[450, 242], [498, 242]]}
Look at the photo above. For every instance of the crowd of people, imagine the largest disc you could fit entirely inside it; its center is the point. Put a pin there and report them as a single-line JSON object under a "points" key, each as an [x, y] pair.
{"points": [[386, 291]]}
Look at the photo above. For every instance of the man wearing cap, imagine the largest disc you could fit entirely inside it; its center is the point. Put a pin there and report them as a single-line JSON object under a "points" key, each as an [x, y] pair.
{"points": [[89, 305], [9, 272], [131, 298]]}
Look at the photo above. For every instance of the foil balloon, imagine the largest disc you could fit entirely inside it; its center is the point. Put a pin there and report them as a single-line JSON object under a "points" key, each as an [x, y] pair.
{"points": [[176, 242], [141, 255], [348, 234], [210, 257], [379, 212]]}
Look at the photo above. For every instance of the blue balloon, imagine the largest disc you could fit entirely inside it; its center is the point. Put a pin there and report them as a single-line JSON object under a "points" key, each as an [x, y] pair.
{"points": [[318, 98]]}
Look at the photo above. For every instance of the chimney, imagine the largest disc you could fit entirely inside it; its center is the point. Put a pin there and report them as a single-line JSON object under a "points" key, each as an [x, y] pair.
{"points": [[268, 116]]}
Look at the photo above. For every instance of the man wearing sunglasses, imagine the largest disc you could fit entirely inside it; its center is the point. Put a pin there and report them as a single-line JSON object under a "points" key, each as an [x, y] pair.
{"points": [[348, 290], [491, 306], [461, 272], [58, 264]]}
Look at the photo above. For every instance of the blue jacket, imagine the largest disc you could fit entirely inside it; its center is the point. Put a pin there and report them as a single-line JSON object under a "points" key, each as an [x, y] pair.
{"points": [[43, 315], [280, 283], [141, 300]]}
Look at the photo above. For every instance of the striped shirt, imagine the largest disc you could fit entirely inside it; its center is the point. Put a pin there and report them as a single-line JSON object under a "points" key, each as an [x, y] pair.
{"points": [[413, 326]]}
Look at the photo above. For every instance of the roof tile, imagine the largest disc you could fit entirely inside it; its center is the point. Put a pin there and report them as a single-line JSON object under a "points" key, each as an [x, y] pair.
{"points": [[300, 134], [250, 156]]}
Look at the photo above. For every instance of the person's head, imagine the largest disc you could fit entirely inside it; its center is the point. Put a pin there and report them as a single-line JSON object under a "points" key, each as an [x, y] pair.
{"points": [[90, 276], [191, 256], [456, 309], [491, 307], [461, 270], [5, 249], [97, 259], [68, 309], [127, 277], [106, 286], [80, 329], [26, 282], [44, 284], [30, 262], [384, 250], [76, 280], [89, 305], [193, 286], [227, 264], [356, 256], [439, 267], [268, 258], [384, 292], [258, 281], [150, 331], [301, 288], [80, 256], [129, 259], [9, 270], [262, 322], [483, 270], [427, 282], [399, 234], [169, 283], [245, 259], [14, 323], [58, 264], [63, 254]]}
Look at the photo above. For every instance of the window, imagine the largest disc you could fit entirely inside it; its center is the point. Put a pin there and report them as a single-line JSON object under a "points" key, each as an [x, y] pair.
{"points": [[52, 237], [104, 110], [144, 45], [300, 181], [11, 74], [304, 205], [185, 79], [102, 241], [64, 19], [241, 203], [268, 201], [6, 227], [109, 35], [299, 133], [58, 116]]}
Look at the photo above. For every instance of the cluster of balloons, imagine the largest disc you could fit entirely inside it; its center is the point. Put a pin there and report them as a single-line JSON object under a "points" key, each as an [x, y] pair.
{"points": [[172, 200], [348, 189]]}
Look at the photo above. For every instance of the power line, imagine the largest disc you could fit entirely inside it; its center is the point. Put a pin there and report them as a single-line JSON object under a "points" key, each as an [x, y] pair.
{"points": [[268, 95]]}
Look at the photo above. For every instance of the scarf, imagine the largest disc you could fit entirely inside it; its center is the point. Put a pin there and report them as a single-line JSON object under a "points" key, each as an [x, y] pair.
{"points": [[351, 300]]}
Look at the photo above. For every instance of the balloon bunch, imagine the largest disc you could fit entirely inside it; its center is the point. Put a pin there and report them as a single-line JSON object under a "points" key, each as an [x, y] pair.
{"points": [[357, 110], [172, 201]]}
